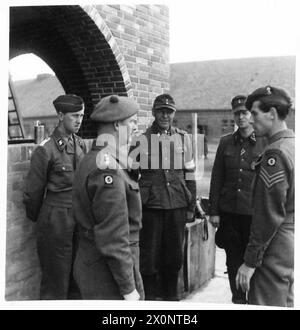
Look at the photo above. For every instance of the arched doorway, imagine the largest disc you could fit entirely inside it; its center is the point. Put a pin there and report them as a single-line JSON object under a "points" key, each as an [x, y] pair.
{"points": [[78, 46]]}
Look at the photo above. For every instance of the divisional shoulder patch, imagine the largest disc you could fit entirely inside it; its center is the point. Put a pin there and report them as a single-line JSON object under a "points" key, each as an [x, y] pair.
{"points": [[271, 161], [108, 180]]}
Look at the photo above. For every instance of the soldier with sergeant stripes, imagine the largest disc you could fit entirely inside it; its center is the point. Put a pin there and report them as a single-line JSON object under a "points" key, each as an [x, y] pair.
{"points": [[268, 270]]}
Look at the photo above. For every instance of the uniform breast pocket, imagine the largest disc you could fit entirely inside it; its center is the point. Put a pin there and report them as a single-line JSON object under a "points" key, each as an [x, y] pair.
{"points": [[230, 159], [64, 174]]}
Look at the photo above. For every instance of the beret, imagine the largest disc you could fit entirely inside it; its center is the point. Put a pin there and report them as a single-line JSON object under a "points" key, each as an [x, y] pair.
{"points": [[113, 107], [68, 103], [238, 101], [269, 94], [164, 101]]}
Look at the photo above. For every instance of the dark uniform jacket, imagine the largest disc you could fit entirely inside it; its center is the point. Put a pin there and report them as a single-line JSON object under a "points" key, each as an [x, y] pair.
{"points": [[233, 173], [271, 241], [52, 168], [107, 207], [165, 184]]}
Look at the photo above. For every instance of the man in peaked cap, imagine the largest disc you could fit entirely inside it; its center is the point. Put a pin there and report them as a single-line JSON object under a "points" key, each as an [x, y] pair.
{"points": [[107, 208], [230, 190], [48, 198], [268, 270], [168, 199]]}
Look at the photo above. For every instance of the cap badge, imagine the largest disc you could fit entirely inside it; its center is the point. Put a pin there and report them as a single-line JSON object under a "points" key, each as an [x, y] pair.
{"points": [[167, 101], [271, 161], [268, 90], [239, 101], [108, 180]]}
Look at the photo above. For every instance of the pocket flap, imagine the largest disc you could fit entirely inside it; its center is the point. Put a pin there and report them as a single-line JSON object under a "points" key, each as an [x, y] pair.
{"points": [[63, 168]]}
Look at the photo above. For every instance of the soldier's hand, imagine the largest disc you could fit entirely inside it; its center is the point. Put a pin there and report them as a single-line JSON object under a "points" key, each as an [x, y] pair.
{"points": [[134, 295], [243, 277], [214, 220]]}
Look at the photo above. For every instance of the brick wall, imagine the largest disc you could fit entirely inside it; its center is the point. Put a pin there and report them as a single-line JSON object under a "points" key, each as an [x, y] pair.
{"points": [[22, 265]]}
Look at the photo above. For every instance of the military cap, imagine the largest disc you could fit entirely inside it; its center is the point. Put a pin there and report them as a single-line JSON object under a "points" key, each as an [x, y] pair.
{"points": [[269, 94], [112, 108], [238, 101], [164, 101], [68, 103]]}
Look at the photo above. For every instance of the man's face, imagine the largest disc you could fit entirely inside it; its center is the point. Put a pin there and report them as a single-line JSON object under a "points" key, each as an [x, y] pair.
{"points": [[127, 128], [242, 117], [164, 117], [72, 121], [262, 121]]}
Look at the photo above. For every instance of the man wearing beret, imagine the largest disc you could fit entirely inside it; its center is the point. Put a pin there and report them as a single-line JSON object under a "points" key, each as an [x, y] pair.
{"points": [[230, 190], [168, 198], [267, 273], [48, 197], [107, 208]]}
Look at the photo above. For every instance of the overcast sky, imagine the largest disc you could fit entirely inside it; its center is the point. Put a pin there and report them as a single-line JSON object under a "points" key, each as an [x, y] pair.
{"points": [[216, 29]]}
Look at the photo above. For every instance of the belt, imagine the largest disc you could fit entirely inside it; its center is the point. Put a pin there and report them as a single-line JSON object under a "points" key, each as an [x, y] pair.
{"points": [[59, 198]]}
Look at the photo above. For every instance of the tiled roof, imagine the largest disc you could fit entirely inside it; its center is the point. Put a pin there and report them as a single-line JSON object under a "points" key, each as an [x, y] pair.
{"points": [[212, 84]]}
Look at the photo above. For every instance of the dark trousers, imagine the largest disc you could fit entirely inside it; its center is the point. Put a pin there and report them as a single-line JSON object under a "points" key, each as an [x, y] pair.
{"points": [[161, 255], [235, 231], [56, 250]]}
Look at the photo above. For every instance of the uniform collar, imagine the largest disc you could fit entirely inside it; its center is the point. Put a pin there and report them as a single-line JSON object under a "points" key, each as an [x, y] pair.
{"points": [[286, 133], [60, 138], [239, 138]]}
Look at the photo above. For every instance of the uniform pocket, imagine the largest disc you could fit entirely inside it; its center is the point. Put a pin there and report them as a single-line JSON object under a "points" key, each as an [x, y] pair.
{"points": [[63, 168]]}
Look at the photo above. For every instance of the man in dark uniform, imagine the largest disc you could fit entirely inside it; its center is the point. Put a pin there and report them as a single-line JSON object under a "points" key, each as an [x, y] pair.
{"points": [[168, 198], [230, 190], [269, 257], [48, 197], [107, 208]]}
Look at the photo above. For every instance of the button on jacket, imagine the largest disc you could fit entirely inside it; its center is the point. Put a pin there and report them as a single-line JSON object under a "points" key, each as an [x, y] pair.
{"points": [[52, 170], [107, 207], [166, 186], [233, 172]]}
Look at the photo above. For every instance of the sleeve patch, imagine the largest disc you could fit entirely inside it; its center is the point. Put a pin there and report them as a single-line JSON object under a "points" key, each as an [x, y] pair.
{"points": [[108, 180], [271, 161], [271, 179]]}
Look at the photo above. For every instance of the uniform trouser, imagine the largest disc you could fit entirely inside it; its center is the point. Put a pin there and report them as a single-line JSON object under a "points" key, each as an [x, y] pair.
{"points": [[94, 276], [273, 282], [235, 231], [161, 243], [56, 249]]}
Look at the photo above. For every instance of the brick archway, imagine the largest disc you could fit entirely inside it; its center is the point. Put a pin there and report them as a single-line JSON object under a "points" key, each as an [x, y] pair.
{"points": [[78, 46]]}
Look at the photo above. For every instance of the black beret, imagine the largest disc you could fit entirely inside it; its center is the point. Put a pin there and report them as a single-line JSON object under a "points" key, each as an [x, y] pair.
{"points": [[68, 103], [112, 108], [269, 94], [238, 101], [164, 101]]}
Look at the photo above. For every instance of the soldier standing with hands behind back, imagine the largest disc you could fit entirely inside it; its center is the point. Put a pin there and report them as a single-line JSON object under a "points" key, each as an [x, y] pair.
{"points": [[48, 197], [230, 190]]}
